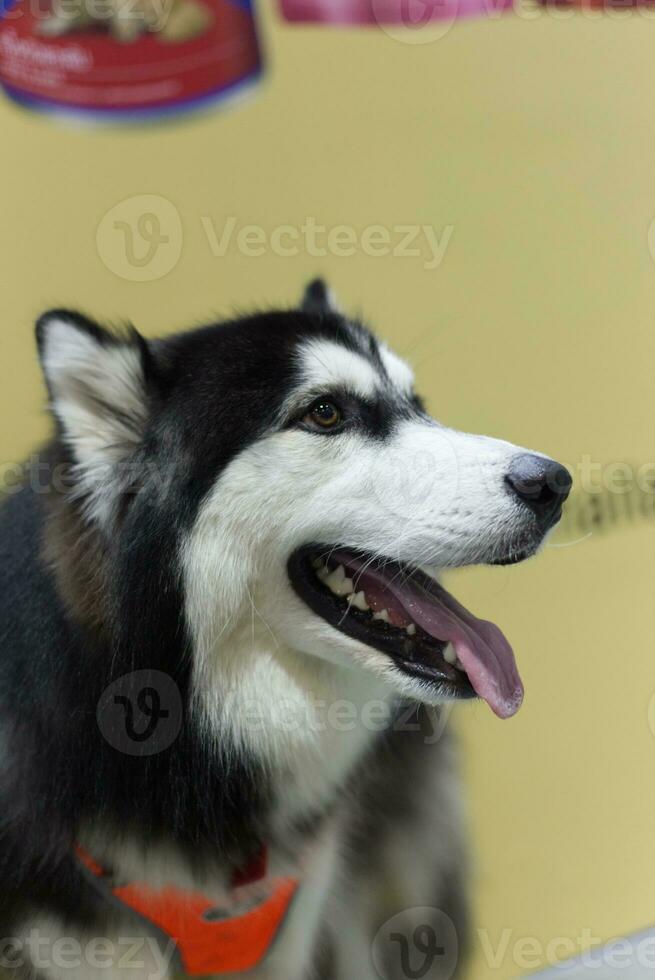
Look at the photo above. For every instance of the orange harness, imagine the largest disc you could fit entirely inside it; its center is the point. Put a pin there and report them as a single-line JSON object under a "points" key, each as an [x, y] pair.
{"points": [[209, 940]]}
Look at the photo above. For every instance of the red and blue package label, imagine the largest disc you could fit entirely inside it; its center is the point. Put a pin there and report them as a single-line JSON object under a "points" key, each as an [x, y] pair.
{"points": [[126, 58]]}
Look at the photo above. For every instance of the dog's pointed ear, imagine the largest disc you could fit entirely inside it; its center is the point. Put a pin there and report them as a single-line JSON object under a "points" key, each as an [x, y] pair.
{"points": [[98, 386], [319, 298]]}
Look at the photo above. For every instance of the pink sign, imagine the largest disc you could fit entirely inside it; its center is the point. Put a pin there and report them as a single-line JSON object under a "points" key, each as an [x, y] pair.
{"points": [[412, 14]]}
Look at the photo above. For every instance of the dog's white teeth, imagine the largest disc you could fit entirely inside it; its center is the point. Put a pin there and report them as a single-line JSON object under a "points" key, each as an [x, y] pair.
{"points": [[449, 655], [337, 582], [340, 585]]}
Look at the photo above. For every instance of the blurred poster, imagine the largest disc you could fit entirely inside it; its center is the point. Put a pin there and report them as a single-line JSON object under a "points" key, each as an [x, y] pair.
{"points": [[410, 14], [126, 59]]}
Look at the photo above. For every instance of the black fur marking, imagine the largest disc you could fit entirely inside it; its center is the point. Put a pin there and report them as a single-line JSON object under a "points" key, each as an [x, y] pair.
{"points": [[316, 298], [77, 320]]}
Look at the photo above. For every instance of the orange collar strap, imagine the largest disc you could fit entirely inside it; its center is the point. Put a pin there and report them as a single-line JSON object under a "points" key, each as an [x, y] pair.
{"points": [[209, 939]]}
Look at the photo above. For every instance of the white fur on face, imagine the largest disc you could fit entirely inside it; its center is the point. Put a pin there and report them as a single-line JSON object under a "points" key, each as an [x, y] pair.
{"points": [[424, 494], [326, 365], [399, 371]]}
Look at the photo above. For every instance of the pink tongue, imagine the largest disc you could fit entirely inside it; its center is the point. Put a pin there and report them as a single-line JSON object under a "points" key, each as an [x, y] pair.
{"points": [[481, 647]]}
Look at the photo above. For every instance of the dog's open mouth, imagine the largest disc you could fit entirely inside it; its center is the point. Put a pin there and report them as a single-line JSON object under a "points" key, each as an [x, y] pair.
{"points": [[403, 612]]}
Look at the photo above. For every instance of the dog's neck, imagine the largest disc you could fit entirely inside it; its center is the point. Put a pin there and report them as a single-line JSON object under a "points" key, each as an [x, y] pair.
{"points": [[304, 724], [307, 722], [288, 728]]}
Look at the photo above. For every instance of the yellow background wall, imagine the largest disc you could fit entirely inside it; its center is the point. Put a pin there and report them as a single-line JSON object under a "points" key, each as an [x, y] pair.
{"points": [[535, 140]]}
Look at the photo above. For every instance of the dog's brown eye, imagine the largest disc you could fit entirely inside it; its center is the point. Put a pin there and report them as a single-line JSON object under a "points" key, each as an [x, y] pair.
{"points": [[324, 414]]}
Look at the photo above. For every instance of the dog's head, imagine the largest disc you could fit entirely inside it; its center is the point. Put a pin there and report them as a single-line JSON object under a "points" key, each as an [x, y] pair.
{"points": [[277, 484]]}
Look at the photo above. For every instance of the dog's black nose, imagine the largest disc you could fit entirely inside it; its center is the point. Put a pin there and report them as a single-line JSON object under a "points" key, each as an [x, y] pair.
{"points": [[540, 483]]}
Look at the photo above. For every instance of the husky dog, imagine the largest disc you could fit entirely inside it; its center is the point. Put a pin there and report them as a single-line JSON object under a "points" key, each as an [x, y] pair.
{"points": [[226, 655]]}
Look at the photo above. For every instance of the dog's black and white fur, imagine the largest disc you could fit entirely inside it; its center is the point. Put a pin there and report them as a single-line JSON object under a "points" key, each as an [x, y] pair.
{"points": [[183, 476]]}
